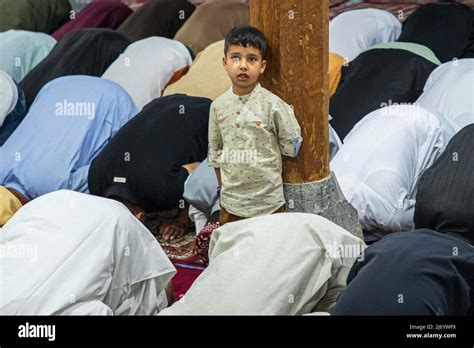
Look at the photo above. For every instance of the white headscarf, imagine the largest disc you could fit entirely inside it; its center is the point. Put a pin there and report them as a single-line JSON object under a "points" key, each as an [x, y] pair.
{"points": [[8, 96], [352, 32], [450, 91], [146, 67], [381, 160]]}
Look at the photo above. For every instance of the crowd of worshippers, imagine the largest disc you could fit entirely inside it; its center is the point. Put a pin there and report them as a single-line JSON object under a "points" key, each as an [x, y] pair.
{"points": [[109, 114]]}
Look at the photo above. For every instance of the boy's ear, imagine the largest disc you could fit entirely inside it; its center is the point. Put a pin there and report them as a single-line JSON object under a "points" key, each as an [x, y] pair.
{"points": [[264, 65], [140, 216], [224, 63]]}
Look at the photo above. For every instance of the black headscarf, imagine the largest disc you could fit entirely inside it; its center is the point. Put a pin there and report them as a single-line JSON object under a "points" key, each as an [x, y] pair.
{"points": [[142, 163], [447, 29], [445, 196], [375, 77], [157, 18], [421, 266], [79, 52]]}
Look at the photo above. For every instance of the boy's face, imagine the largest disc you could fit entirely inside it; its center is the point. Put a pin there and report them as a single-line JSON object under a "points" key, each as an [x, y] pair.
{"points": [[244, 65]]}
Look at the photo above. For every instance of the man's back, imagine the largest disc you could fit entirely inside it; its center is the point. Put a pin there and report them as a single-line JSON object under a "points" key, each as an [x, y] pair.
{"points": [[72, 249], [70, 122], [281, 264], [422, 272], [142, 163]]}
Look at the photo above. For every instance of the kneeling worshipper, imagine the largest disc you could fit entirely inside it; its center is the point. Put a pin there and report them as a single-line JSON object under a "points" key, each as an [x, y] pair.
{"points": [[80, 52], [157, 18], [381, 160], [335, 72], [76, 254], [148, 161], [447, 29], [147, 66], [72, 119], [33, 15], [429, 271], [352, 32], [206, 76], [384, 75], [450, 91], [22, 51], [12, 106], [211, 22], [200, 191], [280, 264], [96, 15]]}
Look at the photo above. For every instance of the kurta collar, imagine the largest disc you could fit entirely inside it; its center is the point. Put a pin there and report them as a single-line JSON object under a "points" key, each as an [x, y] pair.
{"points": [[246, 97]]}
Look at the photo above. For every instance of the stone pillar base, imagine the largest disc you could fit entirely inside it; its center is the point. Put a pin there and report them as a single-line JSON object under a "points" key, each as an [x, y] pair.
{"points": [[323, 198]]}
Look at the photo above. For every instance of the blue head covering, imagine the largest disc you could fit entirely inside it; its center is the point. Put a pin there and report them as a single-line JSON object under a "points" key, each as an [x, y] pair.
{"points": [[22, 51], [72, 119]]}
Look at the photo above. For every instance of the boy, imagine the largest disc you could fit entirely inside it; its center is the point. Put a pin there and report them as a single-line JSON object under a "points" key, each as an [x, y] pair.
{"points": [[249, 129]]}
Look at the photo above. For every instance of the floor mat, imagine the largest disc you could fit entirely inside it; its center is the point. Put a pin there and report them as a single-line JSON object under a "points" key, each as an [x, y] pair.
{"points": [[179, 249], [188, 271]]}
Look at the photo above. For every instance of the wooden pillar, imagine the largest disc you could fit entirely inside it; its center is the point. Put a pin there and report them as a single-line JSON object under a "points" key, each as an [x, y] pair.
{"points": [[297, 71]]}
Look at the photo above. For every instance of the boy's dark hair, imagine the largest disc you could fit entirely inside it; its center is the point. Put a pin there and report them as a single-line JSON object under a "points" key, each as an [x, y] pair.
{"points": [[246, 36]]}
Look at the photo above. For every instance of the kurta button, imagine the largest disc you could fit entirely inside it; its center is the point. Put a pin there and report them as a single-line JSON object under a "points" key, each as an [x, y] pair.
{"points": [[238, 112], [238, 125]]}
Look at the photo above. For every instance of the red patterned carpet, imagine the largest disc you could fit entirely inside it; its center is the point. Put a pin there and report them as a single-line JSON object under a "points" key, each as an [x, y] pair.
{"points": [[187, 263]]}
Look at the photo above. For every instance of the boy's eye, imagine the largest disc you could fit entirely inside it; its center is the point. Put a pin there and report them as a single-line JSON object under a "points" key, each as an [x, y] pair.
{"points": [[252, 59], [235, 58]]}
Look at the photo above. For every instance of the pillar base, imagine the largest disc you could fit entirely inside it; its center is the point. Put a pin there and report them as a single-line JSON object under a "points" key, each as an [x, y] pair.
{"points": [[323, 198]]}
